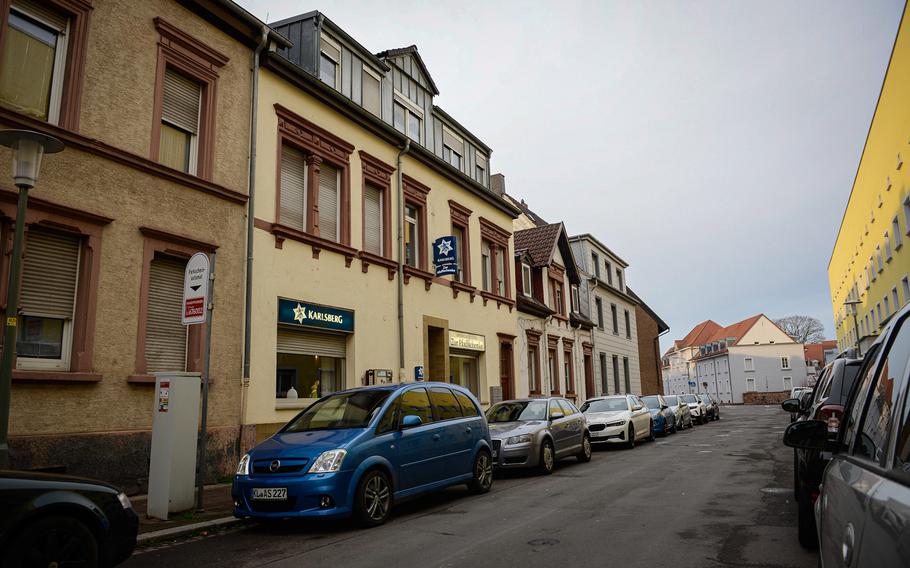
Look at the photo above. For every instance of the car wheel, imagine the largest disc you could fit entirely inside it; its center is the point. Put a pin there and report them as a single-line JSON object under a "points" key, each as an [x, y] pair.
{"points": [[373, 501], [650, 437], [631, 433], [547, 458], [585, 455], [483, 473], [54, 541], [808, 537]]}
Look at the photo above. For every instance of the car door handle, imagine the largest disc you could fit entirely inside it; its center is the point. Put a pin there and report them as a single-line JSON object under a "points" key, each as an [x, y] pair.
{"points": [[468, 430], [436, 437]]}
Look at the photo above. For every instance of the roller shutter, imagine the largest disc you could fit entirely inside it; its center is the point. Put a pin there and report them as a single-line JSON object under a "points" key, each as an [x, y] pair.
{"points": [[312, 343], [328, 202], [293, 188], [372, 219], [181, 102], [165, 336], [49, 274]]}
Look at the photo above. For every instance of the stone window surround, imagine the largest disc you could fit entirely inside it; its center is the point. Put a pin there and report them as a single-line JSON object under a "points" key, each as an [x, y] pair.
{"points": [[460, 216], [378, 174], [77, 11], [179, 247], [181, 52], [88, 228], [533, 337], [553, 349], [498, 239], [567, 347], [415, 195]]}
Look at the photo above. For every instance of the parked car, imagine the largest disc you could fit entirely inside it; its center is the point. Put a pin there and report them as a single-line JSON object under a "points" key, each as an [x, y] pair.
{"points": [[863, 510], [712, 410], [662, 418], [795, 392], [829, 398], [618, 419], [696, 408], [362, 450], [537, 432], [680, 410], [59, 520]]}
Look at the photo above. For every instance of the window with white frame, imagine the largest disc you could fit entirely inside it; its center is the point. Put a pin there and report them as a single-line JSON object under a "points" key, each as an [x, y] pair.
{"points": [[407, 117], [575, 304], [896, 231], [452, 147], [748, 364], [329, 62], [784, 362], [34, 61], [887, 306], [480, 168], [788, 383], [486, 265], [49, 275], [526, 287], [595, 261], [905, 282], [878, 257], [411, 236], [750, 385], [179, 136], [373, 219], [887, 247], [371, 91]]}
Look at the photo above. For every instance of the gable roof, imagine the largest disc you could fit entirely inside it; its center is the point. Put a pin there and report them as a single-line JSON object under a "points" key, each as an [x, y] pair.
{"points": [[411, 50], [736, 330], [699, 334], [524, 208], [540, 242], [605, 248]]}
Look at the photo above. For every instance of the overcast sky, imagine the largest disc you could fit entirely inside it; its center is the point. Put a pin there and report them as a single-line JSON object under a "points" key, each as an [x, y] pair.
{"points": [[712, 145]]}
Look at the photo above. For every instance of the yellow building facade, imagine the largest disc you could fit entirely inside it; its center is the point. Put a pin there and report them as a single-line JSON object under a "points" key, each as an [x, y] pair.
{"points": [[869, 266], [341, 139]]}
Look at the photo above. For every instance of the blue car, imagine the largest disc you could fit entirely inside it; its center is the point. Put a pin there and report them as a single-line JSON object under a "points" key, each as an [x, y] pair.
{"points": [[357, 452], [662, 416]]}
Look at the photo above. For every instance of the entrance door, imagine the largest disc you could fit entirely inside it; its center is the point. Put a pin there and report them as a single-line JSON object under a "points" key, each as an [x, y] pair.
{"points": [[589, 376], [506, 370], [464, 372]]}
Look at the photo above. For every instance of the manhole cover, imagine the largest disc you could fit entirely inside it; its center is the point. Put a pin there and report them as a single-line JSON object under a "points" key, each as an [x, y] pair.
{"points": [[776, 490], [543, 542]]}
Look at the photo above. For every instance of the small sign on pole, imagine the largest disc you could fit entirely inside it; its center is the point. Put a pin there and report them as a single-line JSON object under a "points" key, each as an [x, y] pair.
{"points": [[196, 289]]}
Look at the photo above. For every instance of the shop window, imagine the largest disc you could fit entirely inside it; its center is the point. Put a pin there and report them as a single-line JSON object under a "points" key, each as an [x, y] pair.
{"points": [[312, 364], [165, 335]]}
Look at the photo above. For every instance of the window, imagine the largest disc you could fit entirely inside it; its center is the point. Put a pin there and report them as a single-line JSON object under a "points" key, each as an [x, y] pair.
{"points": [[625, 374], [887, 306], [615, 319], [311, 363], [604, 380], [165, 335], [575, 304], [887, 246], [748, 364], [407, 117], [329, 202], [467, 406], [533, 370], [595, 260], [788, 383], [598, 303], [373, 216], [784, 362], [494, 246], [500, 270], [480, 168], [750, 384], [292, 209], [399, 117], [452, 147], [878, 257], [414, 127], [619, 279], [416, 402], [179, 135], [411, 236], [553, 369], [389, 420], [628, 324], [329, 62], [526, 280], [907, 213], [459, 234], [371, 91], [616, 374], [34, 61], [560, 305], [568, 371], [878, 310], [445, 405], [486, 265], [896, 231], [49, 276], [905, 282], [609, 273]]}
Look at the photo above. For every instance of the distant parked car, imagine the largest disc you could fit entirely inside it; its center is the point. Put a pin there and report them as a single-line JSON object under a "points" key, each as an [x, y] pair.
{"points": [[712, 410], [863, 511], [662, 418], [362, 450], [696, 408], [537, 432], [680, 410], [804, 395], [618, 419], [831, 393], [58, 520]]}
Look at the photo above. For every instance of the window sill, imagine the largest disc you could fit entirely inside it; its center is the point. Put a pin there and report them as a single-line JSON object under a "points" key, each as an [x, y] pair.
{"points": [[282, 232], [427, 277], [150, 380], [500, 300], [462, 287], [292, 403], [368, 258], [56, 376]]}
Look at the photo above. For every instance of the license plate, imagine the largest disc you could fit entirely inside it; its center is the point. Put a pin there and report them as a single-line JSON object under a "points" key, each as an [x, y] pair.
{"points": [[270, 493]]}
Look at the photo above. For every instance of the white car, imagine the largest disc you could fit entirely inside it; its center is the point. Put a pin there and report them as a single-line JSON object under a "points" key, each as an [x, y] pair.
{"points": [[622, 419], [796, 392], [696, 407]]}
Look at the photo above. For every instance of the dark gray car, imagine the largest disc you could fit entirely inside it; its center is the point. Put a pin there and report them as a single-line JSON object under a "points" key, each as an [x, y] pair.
{"points": [[536, 432]]}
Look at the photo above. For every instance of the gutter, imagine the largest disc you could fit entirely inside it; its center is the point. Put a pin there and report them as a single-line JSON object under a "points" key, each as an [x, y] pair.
{"points": [[404, 150]]}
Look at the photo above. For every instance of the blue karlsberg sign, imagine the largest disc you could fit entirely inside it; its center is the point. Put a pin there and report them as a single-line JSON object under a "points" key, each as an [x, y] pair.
{"points": [[445, 255], [305, 314]]}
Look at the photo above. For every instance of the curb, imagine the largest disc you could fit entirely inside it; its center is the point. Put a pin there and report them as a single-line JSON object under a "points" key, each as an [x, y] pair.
{"points": [[186, 529]]}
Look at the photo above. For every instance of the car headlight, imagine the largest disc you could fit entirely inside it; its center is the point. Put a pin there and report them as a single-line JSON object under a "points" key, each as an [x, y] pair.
{"points": [[617, 423], [328, 462], [515, 440], [124, 501], [243, 468]]}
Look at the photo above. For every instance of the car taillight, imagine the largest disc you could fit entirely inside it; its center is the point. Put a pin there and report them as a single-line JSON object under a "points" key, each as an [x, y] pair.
{"points": [[832, 414]]}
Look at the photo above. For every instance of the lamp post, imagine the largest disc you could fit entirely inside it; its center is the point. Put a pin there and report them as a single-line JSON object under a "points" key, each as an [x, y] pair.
{"points": [[28, 148], [853, 309]]}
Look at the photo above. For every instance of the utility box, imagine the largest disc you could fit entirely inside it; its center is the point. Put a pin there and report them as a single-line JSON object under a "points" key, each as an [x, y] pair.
{"points": [[175, 430]]}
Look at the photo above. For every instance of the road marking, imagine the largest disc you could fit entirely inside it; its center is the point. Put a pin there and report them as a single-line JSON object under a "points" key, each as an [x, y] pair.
{"points": [[721, 435], [705, 451]]}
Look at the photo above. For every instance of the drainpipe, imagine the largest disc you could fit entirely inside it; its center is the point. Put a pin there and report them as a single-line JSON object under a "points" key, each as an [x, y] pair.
{"points": [[402, 152], [248, 301]]}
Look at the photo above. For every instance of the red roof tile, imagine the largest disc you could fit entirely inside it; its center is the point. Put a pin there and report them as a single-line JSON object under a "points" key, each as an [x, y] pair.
{"points": [[538, 242], [735, 330]]}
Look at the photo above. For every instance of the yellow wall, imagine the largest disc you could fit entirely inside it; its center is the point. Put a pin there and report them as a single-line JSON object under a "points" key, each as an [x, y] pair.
{"points": [[873, 204], [291, 272]]}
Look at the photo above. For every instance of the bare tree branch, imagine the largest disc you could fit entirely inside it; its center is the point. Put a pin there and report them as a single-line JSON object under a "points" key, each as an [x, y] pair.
{"points": [[803, 329]]}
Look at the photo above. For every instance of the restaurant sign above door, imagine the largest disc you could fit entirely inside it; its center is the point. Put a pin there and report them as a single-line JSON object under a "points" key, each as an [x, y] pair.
{"points": [[305, 314], [462, 340]]}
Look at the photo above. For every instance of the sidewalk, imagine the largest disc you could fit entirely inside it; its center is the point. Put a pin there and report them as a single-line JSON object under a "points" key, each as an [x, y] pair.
{"points": [[218, 512]]}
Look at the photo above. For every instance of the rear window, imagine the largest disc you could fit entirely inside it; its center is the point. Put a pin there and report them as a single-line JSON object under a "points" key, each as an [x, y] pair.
{"points": [[468, 408], [445, 405]]}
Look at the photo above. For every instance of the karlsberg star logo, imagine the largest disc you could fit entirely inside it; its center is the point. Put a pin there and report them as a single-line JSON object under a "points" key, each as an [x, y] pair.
{"points": [[299, 313], [445, 247]]}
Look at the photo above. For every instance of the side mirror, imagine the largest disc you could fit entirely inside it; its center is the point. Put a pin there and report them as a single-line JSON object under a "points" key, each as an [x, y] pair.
{"points": [[807, 435], [791, 405], [664, 407], [556, 415], [410, 421]]}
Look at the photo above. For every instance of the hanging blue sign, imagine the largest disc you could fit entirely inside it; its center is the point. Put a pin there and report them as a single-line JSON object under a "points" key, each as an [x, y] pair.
{"points": [[445, 255], [418, 373], [305, 314]]}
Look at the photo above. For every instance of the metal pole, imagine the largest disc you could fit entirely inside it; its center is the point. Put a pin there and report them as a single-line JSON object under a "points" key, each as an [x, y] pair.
{"points": [[203, 436], [9, 334]]}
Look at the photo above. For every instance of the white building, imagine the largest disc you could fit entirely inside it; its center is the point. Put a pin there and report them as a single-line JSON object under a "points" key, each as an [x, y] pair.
{"points": [[678, 370]]}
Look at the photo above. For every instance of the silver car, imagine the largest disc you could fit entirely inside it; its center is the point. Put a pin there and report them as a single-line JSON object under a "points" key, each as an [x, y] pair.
{"points": [[536, 432], [681, 410]]}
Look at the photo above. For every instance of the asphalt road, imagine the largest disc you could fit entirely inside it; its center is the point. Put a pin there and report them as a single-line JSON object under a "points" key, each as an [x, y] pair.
{"points": [[716, 495]]}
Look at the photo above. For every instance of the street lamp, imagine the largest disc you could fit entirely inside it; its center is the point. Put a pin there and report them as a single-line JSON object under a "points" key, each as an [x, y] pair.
{"points": [[853, 309], [28, 149]]}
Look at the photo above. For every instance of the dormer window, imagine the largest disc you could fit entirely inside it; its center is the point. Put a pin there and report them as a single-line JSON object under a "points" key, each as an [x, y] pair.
{"points": [[452, 147], [480, 167], [371, 92], [575, 304], [526, 280], [329, 61], [407, 117]]}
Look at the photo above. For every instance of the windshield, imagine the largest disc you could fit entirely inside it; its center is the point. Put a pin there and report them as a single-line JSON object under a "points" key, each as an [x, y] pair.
{"points": [[689, 398], [518, 411], [671, 400], [605, 405], [340, 411], [651, 402]]}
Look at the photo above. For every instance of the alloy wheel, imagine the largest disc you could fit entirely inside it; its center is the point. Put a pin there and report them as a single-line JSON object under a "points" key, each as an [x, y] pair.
{"points": [[546, 455], [483, 471], [377, 497]]}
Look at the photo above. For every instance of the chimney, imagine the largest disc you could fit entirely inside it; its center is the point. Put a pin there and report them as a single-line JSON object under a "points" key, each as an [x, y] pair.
{"points": [[498, 183]]}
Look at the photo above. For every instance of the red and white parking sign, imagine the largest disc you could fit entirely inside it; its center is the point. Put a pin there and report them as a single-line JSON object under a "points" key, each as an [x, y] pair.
{"points": [[195, 289]]}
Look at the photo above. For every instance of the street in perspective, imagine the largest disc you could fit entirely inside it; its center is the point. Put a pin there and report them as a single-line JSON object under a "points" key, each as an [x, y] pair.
{"points": [[268, 297]]}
